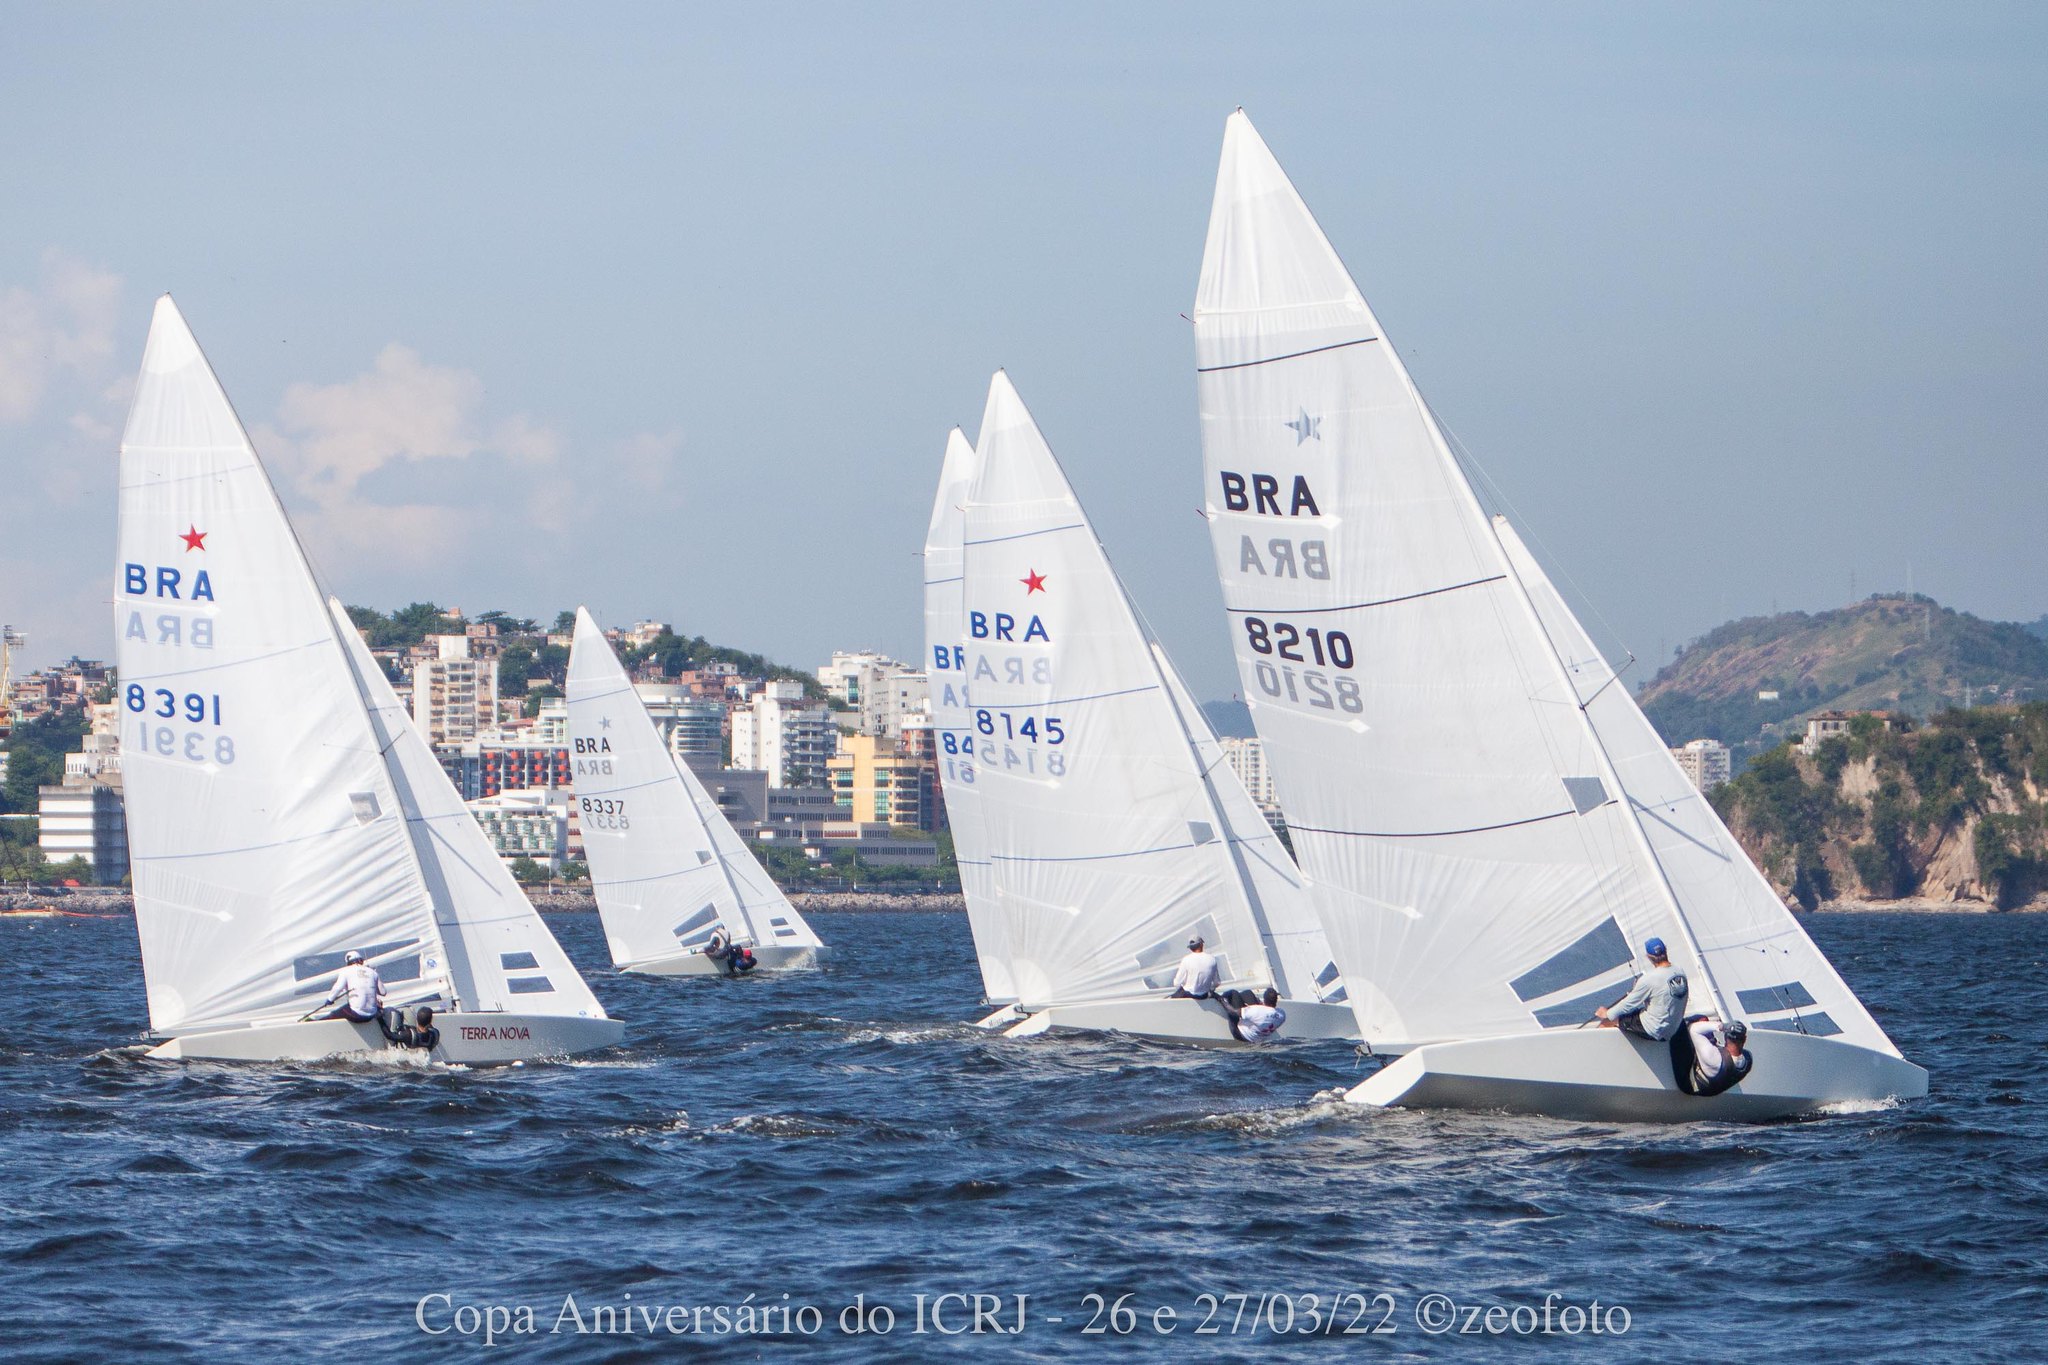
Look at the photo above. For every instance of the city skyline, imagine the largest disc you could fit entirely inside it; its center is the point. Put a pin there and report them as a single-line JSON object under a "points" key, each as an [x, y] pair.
{"points": [[671, 316]]}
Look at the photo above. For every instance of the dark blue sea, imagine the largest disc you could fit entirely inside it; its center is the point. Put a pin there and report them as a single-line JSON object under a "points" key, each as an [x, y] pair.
{"points": [[768, 1164]]}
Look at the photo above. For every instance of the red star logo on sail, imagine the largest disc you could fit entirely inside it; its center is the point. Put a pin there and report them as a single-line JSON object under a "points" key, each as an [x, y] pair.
{"points": [[1034, 583], [195, 539]]}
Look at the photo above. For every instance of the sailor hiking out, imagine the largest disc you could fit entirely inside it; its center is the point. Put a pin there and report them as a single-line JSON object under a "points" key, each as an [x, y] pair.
{"points": [[420, 1034], [1254, 1018], [1708, 1056], [729, 953]]}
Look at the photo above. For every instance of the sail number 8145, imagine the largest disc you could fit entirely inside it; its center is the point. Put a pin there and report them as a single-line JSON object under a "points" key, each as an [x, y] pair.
{"points": [[1029, 728]]}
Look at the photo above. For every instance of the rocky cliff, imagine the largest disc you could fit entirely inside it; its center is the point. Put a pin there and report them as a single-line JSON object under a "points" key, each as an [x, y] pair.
{"points": [[1954, 812]]}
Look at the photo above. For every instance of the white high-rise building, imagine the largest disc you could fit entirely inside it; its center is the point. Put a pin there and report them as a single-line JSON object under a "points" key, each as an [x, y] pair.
{"points": [[454, 695], [688, 724], [884, 692], [784, 736], [1706, 762], [1247, 758], [84, 816]]}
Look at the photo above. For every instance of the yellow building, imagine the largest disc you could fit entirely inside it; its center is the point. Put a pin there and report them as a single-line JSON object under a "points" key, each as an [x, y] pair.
{"points": [[883, 788]]}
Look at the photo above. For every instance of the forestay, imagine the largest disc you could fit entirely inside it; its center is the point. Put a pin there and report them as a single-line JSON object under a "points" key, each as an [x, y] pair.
{"points": [[1478, 868], [1107, 843], [665, 864], [952, 718]]}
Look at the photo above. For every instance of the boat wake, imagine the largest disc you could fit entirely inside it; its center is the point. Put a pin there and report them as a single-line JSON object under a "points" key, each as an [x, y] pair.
{"points": [[1327, 1106]]}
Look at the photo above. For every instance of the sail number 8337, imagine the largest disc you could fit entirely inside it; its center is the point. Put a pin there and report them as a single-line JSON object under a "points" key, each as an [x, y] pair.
{"points": [[192, 708], [1289, 644], [604, 812]]}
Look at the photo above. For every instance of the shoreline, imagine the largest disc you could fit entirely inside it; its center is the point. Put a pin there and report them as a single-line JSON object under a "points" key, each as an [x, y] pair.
{"points": [[106, 900], [99, 900]]}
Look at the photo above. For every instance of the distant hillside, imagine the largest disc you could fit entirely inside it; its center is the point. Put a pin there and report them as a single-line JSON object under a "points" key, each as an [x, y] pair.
{"points": [[528, 660], [1954, 812], [1897, 653]]}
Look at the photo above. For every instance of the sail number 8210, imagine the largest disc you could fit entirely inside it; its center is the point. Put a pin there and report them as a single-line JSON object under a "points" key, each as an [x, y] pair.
{"points": [[1310, 686], [1332, 648]]}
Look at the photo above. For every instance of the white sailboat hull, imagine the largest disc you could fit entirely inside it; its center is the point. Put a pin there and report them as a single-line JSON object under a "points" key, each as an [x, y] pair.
{"points": [[1201, 1022], [769, 958], [1605, 1074], [466, 1039]]}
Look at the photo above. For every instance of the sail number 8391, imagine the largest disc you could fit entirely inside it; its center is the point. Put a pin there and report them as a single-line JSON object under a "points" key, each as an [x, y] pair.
{"points": [[1326, 649], [193, 708]]}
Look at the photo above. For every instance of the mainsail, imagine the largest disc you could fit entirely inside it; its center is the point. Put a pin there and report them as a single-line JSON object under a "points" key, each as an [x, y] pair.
{"points": [[953, 716], [666, 865], [270, 827], [1489, 826], [1100, 789]]}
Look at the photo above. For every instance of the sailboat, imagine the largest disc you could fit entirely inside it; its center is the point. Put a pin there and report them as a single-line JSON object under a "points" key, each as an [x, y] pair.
{"points": [[668, 869], [945, 627], [1112, 828], [282, 810], [1490, 827]]}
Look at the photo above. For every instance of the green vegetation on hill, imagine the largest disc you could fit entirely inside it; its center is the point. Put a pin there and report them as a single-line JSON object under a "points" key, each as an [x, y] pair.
{"points": [[528, 661], [1955, 810], [679, 653], [1891, 652], [35, 756]]}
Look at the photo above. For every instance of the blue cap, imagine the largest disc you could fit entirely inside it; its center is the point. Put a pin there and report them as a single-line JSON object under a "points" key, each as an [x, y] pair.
{"points": [[1655, 947]]}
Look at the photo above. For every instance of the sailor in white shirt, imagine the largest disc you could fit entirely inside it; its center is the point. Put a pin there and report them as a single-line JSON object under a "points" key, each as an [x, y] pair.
{"points": [[1260, 1020], [1198, 973], [363, 987]]}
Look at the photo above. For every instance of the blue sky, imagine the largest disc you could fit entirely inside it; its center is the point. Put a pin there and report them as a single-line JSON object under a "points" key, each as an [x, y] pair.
{"points": [[667, 308]]}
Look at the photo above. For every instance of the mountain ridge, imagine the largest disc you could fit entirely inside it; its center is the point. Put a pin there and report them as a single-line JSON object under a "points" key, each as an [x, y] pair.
{"points": [[1892, 651]]}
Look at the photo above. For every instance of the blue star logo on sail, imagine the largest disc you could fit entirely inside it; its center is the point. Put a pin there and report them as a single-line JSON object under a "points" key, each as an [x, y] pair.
{"points": [[1305, 427]]}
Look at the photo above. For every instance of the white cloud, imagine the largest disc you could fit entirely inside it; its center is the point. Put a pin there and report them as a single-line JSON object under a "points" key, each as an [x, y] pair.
{"points": [[644, 460], [63, 326], [347, 453]]}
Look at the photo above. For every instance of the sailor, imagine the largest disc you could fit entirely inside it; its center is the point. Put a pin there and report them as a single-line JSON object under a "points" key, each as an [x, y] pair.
{"points": [[361, 985], [420, 1034], [1198, 973], [1258, 1019], [1653, 1007], [733, 957], [1716, 1058]]}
